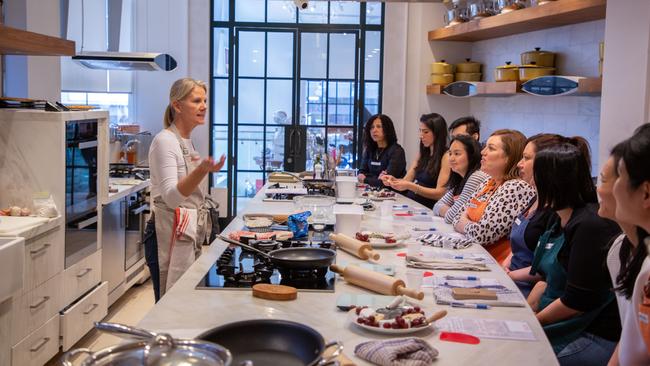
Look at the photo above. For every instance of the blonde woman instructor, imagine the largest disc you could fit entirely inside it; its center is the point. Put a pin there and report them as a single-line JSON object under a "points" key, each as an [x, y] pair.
{"points": [[178, 176]]}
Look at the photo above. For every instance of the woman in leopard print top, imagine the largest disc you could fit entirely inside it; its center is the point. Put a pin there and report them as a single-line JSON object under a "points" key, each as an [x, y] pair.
{"points": [[489, 214]]}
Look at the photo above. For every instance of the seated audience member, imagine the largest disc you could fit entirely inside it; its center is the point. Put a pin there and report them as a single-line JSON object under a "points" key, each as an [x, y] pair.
{"points": [[574, 303], [382, 154], [488, 215], [465, 178], [532, 222], [624, 261], [426, 178], [632, 195], [466, 126]]}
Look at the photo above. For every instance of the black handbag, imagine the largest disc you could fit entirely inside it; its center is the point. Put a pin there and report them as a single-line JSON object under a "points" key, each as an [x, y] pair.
{"points": [[213, 215]]}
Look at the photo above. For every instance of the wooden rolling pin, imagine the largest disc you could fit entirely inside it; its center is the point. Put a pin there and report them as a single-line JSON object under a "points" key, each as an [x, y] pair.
{"points": [[376, 281], [355, 247]]}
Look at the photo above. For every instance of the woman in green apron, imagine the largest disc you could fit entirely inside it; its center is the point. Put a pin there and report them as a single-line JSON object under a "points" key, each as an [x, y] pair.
{"points": [[576, 308], [632, 193], [178, 182]]}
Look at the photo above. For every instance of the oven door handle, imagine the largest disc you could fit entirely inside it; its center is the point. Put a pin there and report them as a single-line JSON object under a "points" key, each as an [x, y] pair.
{"points": [[87, 144], [139, 210], [87, 222]]}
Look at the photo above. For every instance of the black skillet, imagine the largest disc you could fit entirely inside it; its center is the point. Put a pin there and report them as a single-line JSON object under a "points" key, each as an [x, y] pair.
{"points": [[293, 258], [271, 342]]}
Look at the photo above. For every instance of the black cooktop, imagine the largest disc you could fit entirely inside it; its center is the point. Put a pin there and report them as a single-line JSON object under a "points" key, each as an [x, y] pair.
{"points": [[240, 269]]}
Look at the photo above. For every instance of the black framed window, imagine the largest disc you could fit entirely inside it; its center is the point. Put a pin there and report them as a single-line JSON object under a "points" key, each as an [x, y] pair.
{"points": [[320, 68]]}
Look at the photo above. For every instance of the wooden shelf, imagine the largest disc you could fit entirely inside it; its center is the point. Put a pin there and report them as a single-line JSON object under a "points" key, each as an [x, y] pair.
{"points": [[586, 87], [549, 15], [19, 42]]}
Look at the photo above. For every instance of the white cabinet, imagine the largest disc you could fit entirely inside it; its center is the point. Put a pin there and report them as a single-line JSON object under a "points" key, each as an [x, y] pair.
{"points": [[35, 307], [80, 317], [39, 347], [43, 258], [81, 277]]}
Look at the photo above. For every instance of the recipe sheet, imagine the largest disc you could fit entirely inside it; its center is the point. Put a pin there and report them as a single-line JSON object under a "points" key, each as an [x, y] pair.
{"points": [[488, 328]]}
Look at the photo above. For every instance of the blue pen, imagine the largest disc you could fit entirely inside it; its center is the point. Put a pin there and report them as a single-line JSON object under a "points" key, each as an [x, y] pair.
{"points": [[469, 306], [462, 278], [400, 206], [424, 229]]}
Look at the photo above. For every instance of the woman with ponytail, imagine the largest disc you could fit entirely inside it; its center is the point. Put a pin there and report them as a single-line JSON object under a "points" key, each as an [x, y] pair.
{"points": [[178, 182]]}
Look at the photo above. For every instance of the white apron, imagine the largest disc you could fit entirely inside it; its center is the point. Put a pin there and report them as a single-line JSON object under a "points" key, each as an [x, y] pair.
{"points": [[177, 253]]}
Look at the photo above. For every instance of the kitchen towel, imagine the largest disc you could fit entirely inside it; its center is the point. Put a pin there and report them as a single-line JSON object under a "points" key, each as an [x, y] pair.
{"points": [[444, 264], [397, 352], [447, 241]]}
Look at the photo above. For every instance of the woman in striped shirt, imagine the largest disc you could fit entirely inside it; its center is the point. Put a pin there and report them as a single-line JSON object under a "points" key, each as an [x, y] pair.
{"points": [[465, 178]]}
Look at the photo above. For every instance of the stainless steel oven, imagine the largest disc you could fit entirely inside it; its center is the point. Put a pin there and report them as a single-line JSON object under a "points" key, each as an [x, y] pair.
{"points": [[137, 209], [80, 190]]}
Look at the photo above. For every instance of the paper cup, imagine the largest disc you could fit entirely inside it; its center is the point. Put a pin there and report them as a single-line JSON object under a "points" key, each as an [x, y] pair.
{"points": [[348, 219], [413, 248], [414, 278], [346, 187], [386, 208]]}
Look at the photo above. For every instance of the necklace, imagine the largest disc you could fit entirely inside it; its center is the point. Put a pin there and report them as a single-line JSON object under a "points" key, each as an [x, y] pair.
{"points": [[378, 153]]}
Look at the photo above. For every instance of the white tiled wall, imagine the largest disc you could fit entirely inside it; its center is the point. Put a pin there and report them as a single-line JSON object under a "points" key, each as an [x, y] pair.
{"points": [[577, 54]]}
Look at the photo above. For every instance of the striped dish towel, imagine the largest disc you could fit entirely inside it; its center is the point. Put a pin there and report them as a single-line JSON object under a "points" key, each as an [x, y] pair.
{"points": [[185, 222], [397, 352]]}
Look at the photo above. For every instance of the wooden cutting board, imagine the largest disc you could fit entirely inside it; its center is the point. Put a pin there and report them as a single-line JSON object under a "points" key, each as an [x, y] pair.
{"points": [[274, 292]]}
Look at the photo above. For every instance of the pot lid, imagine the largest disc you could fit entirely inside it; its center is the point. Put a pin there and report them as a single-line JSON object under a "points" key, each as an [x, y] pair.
{"points": [[468, 61], [532, 65], [441, 62], [508, 66], [538, 51], [152, 350]]}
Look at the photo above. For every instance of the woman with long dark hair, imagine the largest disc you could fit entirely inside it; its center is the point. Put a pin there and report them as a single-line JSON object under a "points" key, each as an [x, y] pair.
{"points": [[465, 178], [426, 178], [574, 302], [632, 195], [532, 221], [381, 153], [624, 259]]}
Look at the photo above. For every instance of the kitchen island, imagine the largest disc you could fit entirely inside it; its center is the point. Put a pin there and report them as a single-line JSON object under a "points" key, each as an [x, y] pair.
{"points": [[186, 312]]}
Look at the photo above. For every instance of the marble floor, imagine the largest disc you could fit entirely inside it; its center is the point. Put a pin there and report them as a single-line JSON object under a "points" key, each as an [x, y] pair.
{"points": [[129, 309]]}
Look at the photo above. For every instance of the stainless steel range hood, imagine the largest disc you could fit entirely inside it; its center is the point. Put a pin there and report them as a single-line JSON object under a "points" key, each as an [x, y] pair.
{"points": [[134, 61]]}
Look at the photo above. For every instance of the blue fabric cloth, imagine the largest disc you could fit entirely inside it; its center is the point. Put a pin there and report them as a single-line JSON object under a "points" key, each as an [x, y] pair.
{"points": [[521, 256], [588, 349]]}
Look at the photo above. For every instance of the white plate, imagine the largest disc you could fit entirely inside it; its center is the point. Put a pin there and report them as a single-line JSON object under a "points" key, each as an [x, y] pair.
{"points": [[352, 318], [386, 245]]}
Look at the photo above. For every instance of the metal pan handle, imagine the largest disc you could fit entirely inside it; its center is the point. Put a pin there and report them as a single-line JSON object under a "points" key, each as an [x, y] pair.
{"points": [[67, 357], [331, 359], [235, 242]]}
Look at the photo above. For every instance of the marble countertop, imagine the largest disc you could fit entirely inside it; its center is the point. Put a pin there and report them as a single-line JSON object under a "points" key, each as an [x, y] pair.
{"points": [[186, 312], [28, 232], [123, 190]]}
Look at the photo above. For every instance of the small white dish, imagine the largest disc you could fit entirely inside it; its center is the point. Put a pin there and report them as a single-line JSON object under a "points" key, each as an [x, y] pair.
{"points": [[352, 318]]}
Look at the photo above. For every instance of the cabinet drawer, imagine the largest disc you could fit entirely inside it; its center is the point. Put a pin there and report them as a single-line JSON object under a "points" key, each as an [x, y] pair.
{"points": [[81, 277], [44, 257], [80, 318], [39, 347], [34, 308]]}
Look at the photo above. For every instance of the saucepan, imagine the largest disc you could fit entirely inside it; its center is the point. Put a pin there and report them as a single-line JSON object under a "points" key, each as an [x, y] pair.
{"points": [[272, 342], [293, 258], [151, 349]]}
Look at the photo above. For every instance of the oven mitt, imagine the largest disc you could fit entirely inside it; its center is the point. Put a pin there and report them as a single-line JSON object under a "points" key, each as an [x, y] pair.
{"points": [[397, 352]]}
